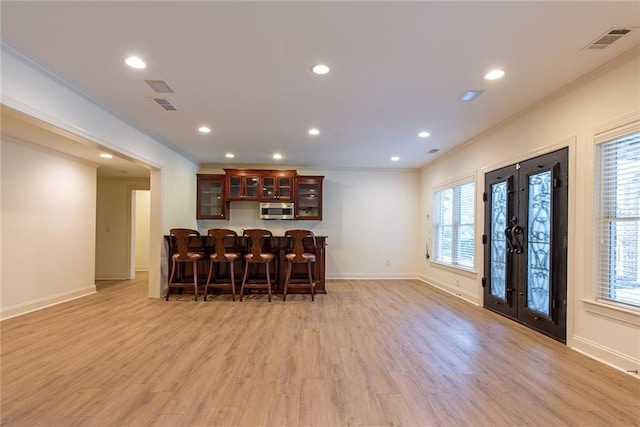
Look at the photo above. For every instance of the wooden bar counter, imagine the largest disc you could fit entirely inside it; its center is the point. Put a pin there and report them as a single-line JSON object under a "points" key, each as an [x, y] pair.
{"points": [[279, 247]]}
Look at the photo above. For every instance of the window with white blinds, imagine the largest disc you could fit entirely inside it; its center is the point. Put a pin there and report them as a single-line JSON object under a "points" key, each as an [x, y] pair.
{"points": [[618, 219], [453, 225]]}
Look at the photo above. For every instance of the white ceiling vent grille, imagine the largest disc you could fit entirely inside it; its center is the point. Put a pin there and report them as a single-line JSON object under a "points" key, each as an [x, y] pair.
{"points": [[605, 40], [165, 104]]}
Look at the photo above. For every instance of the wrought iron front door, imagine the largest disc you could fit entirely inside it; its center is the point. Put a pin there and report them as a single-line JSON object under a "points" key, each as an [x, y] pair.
{"points": [[525, 257]]}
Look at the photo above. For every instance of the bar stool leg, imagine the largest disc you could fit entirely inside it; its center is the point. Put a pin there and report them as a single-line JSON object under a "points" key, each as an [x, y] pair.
{"points": [[173, 271], [286, 281], [266, 266], [311, 282], [233, 282], [244, 279], [206, 287], [195, 279]]}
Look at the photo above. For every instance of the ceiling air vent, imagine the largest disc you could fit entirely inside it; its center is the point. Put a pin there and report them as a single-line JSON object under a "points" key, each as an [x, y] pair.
{"points": [[605, 40], [164, 104], [159, 86], [433, 151]]}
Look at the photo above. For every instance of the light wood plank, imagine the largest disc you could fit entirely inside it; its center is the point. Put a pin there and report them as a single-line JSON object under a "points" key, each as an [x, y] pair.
{"points": [[383, 352]]}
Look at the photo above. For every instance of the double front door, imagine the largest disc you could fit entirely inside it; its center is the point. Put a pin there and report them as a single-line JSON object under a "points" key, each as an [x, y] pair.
{"points": [[525, 267]]}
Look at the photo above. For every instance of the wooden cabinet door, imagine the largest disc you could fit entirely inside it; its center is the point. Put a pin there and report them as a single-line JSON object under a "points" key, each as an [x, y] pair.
{"points": [[308, 197], [210, 198]]}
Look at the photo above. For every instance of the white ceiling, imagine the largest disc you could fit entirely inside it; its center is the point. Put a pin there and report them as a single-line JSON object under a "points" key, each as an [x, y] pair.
{"points": [[243, 68]]}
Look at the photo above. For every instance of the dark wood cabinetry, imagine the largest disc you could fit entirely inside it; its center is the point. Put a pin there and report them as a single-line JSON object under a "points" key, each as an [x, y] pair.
{"points": [[308, 203], [211, 202], [214, 192]]}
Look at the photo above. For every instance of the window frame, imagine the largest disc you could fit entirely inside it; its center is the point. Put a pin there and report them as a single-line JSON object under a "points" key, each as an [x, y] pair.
{"points": [[602, 256], [456, 223]]}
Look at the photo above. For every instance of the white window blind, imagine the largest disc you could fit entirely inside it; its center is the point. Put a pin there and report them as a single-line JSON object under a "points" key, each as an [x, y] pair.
{"points": [[618, 220], [454, 225]]}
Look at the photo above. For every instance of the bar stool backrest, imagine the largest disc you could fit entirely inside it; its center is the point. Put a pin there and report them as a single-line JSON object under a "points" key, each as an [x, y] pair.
{"points": [[185, 238], [259, 240]]}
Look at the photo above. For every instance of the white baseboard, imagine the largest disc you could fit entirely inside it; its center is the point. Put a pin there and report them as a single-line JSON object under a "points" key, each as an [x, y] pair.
{"points": [[606, 355], [460, 293], [112, 278], [29, 306]]}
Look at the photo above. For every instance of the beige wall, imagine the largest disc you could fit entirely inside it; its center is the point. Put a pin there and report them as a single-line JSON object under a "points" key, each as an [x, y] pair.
{"points": [[142, 212], [607, 98], [48, 224], [369, 216]]}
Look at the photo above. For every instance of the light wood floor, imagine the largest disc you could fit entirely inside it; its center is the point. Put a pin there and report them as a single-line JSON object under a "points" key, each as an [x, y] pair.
{"points": [[367, 353]]}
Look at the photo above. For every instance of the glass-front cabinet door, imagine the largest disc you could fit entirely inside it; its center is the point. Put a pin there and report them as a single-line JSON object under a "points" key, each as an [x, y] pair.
{"points": [[243, 186], [278, 186], [308, 204], [210, 202]]}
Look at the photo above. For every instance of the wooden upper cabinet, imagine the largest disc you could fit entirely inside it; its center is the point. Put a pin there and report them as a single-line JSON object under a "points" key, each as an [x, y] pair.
{"points": [[265, 185], [215, 191], [210, 198], [242, 184], [308, 200], [278, 185]]}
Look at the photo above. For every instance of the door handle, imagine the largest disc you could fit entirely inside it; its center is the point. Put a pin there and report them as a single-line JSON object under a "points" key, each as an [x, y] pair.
{"points": [[508, 232], [518, 243]]}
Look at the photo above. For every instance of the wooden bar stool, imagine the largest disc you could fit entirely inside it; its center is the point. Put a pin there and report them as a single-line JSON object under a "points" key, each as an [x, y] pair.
{"points": [[223, 254], [185, 241], [297, 254], [260, 246]]}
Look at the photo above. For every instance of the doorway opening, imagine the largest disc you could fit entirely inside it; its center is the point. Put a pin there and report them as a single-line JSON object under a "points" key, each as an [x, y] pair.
{"points": [[140, 231]]}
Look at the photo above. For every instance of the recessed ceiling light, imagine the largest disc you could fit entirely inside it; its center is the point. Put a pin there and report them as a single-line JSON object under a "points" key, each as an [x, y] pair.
{"points": [[135, 62], [159, 86], [204, 129], [314, 131], [320, 69], [395, 158], [229, 155], [277, 156], [424, 134], [494, 75], [106, 156], [470, 95]]}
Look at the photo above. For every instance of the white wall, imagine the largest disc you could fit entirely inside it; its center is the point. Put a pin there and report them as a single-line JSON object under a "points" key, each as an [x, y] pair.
{"points": [[369, 216], [571, 118], [48, 225], [141, 224], [114, 211], [34, 91]]}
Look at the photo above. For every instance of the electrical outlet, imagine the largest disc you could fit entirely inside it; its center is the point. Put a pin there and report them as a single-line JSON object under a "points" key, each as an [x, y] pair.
{"points": [[388, 263]]}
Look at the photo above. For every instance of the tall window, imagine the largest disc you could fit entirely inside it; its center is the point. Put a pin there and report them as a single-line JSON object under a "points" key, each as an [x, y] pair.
{"points": [[618, 219], [453, 225]]}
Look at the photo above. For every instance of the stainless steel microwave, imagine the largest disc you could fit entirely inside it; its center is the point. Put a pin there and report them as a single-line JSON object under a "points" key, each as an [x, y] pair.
{"points": [[269, 210]]}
